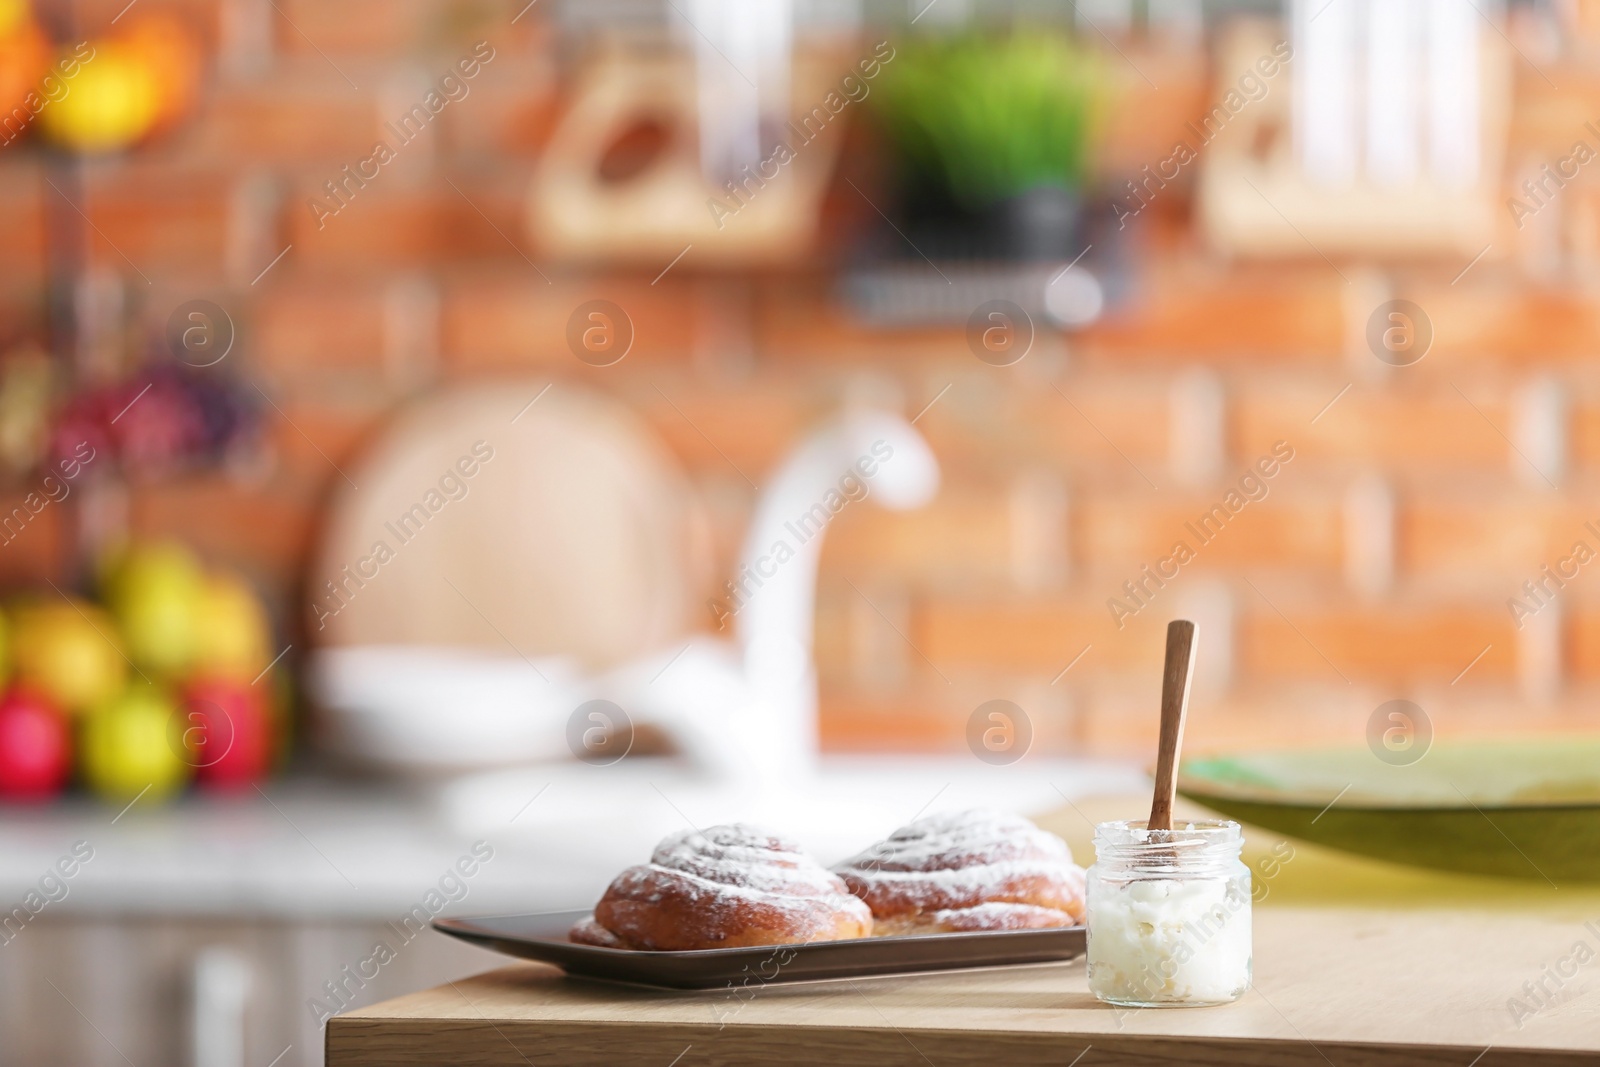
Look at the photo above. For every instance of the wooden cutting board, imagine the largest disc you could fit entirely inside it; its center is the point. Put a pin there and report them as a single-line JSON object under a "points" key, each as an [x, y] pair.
{"points": [[1344, 986], [522, 515]]}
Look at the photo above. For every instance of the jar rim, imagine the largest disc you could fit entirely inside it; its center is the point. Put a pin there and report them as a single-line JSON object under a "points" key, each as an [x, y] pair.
{"points": [[1132, 834]]}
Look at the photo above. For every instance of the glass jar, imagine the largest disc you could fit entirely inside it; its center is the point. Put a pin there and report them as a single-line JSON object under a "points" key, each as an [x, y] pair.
{"points": [[1169, 915]]}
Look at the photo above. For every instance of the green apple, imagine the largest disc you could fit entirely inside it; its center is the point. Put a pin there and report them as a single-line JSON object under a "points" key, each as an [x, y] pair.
{"points": [[67, 651], [155, 590], [233, 638], [128, 746]]}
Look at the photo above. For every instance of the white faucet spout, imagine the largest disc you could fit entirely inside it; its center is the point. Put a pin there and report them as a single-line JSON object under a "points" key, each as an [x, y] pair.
{"points": [[861, 456]]}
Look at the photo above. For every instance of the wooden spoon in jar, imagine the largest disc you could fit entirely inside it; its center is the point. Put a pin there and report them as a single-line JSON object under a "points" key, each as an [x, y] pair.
{"points": [[1175, 678]]}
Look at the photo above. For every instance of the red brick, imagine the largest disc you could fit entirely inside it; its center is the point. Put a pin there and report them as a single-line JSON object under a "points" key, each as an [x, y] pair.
{"points": [[1496, 320], [1584, 439], [22, 205], [34, 546], [376, 28], [431, 34], [934, 719], [1390, 643], [389, 224], [1371, 426], [157, 221], [509, 112], [1190, 312], [736, 433], [1107, 431], [1120, 717], [500, 322], [303, 114], [1383, 644], [1490, 540], [491, 322], [320, 440], [1483, 715], [1294, 713], [1032, 634], [95, 16], [801, 320], [302, 328], [1288, 528], [264, 528], [963, 538], [23, 316], [851, 722], [1582, 643], [1545, 119]]}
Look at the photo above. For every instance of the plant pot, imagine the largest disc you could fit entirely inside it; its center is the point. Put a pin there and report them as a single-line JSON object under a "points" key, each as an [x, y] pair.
{"points": [[1038, 223]]}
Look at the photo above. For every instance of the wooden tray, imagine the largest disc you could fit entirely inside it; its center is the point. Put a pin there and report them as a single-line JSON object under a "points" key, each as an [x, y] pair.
{"points": [[543, 937]]}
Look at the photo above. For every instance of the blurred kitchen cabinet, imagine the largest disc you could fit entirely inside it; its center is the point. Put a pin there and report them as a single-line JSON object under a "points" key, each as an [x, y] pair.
{"points": [[82, 992]]}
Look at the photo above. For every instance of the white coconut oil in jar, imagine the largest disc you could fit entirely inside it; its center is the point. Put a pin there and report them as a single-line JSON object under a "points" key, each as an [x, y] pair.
{"points": [[1169, 915]]}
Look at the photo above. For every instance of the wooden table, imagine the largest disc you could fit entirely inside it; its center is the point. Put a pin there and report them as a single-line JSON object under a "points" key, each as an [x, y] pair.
{"points": [[1350, 987]]}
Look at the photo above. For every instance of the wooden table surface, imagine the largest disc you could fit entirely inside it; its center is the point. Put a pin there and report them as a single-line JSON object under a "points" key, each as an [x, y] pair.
{"points": [[1343, 986], [1358, 963]]}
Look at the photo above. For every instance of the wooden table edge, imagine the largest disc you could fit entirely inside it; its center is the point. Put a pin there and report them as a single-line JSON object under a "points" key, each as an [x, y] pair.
{"points": [[357, 1040]]}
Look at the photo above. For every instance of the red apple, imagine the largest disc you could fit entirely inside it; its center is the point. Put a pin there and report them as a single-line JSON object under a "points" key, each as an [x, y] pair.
{"points": [[35, 747], [225, 733]]}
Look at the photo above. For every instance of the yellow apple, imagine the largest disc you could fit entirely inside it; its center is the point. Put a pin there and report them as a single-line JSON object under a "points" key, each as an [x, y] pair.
{"points": [[155, 591], [233, 638], [14, 15], [128, 745], [112, 101], [68, 651]]}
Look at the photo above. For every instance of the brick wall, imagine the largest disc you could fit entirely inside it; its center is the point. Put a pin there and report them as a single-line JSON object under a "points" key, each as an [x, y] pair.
{"points": [[1379, 565]]}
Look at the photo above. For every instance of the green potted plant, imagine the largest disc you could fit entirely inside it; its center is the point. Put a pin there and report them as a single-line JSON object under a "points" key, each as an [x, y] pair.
{"points": [[996, 128]]}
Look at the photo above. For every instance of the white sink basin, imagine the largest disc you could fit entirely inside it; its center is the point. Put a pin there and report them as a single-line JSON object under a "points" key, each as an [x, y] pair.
{"points": [[620, 812]]}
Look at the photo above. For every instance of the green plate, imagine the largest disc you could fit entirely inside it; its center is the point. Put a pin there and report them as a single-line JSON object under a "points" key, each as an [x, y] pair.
{"points": [[1519, 809]]}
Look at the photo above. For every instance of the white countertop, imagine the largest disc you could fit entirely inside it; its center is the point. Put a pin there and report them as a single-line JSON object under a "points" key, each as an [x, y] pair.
{"points": [[313, 848]]}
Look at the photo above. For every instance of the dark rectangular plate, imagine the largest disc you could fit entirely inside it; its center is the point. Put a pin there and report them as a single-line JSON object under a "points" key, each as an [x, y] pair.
{"points": [[543, 937]]}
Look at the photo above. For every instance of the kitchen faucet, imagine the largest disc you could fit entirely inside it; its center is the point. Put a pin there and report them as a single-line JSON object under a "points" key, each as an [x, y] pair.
{"points": [[861, 456]]}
